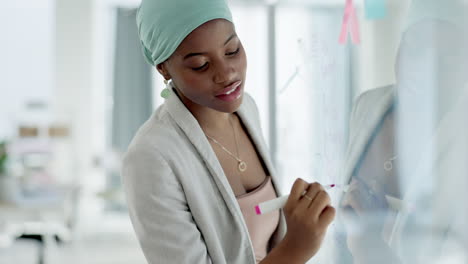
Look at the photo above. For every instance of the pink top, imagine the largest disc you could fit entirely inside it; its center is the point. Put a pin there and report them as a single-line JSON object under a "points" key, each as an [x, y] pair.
{"points": [[261, 227]]}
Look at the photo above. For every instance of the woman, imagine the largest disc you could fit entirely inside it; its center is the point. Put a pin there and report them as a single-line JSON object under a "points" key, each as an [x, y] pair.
{"points": [[196, 169]]}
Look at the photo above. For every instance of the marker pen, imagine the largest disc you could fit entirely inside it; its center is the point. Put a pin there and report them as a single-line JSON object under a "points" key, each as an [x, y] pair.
{"points": [[279, 202]]}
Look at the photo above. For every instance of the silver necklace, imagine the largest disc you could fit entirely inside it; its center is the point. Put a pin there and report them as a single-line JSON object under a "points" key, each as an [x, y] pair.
{"points": [[242, 166]]}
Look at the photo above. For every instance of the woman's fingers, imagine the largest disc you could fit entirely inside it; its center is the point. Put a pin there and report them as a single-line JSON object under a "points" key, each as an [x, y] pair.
{"points": [[306, 232], [296, 194], [315, 202], [308, 198], [297, 189], [327, 216], [321, 201]]}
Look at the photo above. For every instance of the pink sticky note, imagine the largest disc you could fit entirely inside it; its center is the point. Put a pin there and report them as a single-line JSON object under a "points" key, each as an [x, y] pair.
{"points": [[350, 23]]}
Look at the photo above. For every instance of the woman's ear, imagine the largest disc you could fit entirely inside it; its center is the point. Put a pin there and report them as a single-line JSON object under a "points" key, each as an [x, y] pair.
{"points": [[161, 67]]}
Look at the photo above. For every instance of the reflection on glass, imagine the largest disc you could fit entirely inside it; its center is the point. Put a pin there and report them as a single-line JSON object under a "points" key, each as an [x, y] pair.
{"points": [[409, 149]]}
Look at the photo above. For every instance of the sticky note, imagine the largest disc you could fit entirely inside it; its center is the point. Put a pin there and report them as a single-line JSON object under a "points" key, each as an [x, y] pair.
{"points": [[350, 23], [375, 9]]}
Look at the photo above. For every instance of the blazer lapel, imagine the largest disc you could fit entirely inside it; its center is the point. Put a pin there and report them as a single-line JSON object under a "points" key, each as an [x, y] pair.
{"points": [[192, 130], [258, 141]]}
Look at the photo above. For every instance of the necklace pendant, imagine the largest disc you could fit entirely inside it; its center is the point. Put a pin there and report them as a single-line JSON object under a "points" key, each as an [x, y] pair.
{"points": [[242, 166]]}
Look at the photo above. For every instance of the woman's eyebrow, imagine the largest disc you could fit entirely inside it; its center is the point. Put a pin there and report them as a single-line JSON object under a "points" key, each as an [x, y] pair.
{"points": [[193, 54], [202, 53], [229, 39]]}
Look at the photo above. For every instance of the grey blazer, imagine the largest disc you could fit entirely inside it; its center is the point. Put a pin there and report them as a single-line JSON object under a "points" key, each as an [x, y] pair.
{"points": [[181, 205]]}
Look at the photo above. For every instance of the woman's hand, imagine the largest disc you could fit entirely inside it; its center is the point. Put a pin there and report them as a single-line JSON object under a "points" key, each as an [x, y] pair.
{"points": [[307, 218]]}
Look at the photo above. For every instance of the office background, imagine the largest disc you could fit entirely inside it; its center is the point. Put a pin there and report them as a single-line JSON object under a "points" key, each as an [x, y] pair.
{"points": [[75, 88]]}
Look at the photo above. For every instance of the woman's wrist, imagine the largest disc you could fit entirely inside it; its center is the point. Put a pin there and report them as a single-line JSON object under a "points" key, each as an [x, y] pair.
{"points": [[283, 253]]}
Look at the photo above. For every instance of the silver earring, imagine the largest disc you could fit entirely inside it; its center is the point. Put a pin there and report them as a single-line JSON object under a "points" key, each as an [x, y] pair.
{"points": [[165, 92]]}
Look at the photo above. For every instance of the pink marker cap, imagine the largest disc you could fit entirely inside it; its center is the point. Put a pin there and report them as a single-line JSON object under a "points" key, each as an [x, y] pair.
{"points": [[257, 210]]}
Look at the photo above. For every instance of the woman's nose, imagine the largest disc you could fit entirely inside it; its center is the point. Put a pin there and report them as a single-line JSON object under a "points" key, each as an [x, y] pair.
{"points": [[224, 73]]}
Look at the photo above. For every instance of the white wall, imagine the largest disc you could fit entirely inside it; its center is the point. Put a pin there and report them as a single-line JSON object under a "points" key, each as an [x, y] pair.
{"points": [[26, 52], [73, 100]]}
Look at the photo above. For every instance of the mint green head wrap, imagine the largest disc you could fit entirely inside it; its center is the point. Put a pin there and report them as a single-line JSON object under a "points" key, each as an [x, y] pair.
{"points": [[164, 24]]}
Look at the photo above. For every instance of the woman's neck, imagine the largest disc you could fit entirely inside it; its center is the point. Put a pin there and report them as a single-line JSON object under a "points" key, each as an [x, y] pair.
{"points": [[211, 121]]}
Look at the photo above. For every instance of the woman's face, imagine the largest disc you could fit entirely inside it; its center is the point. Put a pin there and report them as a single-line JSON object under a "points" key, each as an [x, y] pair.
{"points": [[208, 68]]}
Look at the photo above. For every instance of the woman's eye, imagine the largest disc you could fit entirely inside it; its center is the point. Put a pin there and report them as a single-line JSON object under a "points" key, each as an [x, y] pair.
{"points": [[200, 68], [234, 52]]}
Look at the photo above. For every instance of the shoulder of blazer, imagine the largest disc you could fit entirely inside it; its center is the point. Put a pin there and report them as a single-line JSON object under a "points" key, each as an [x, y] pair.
{"points": [[159, 133]]}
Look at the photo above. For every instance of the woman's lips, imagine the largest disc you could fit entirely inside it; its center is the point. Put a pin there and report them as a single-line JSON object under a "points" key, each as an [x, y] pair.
{"points": [[229, 88], [234, 95]]}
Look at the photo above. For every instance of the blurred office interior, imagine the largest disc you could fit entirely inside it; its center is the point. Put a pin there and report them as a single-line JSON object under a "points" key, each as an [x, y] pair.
{"points": [[75, 89]]}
